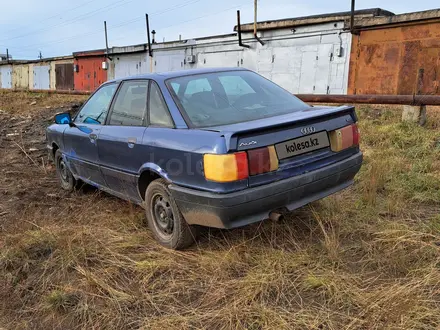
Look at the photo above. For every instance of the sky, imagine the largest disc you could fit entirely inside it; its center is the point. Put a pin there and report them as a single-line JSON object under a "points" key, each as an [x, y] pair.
{"points": [[60, 27]]}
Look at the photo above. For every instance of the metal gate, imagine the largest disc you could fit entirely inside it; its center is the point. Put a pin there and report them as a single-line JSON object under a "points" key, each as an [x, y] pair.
{"points": [[41, 77], [128, 65], [6, 76], [219, 59], [64, 76], [20, 76], [169, 61], [315, 70]]}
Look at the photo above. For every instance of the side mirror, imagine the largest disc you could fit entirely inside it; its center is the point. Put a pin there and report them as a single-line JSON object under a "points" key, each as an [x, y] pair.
{"points": [[63, 118]]}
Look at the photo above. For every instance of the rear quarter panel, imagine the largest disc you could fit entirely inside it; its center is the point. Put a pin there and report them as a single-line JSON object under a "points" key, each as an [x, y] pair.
{"points": [[177, 155]]}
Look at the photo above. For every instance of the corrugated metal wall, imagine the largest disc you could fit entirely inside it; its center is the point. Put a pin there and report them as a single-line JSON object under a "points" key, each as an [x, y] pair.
{"points": [[90, 74], [387, 60], [6, 76], [20, 76]]}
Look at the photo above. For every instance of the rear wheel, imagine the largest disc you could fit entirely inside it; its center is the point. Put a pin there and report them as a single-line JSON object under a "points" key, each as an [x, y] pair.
{"points": [[67, 181], [164, 218]]}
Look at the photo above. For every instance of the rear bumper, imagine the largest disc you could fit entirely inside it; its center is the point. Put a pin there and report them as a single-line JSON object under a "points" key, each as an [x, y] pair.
{"points": [[254, 204]]}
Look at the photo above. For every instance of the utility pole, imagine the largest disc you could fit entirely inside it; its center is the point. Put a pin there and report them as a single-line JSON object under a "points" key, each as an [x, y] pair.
{"points": [[255, 23], [7, 55], [353, 4], [106, 40], [150, 50], [255, 17]]}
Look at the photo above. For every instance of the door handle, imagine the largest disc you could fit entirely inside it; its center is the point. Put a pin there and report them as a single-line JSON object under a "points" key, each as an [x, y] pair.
{"points": [[131, 142]]}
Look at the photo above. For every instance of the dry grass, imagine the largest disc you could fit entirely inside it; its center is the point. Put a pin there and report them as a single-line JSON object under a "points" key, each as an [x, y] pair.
{"points": [[367, 258]]}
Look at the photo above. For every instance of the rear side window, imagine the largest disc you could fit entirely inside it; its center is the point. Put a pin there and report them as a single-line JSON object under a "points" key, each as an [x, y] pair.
{"points": [[130, 106], [159, 114], [96, 108]]}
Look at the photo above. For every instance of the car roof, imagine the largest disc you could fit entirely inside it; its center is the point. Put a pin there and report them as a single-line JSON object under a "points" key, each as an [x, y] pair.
{"points": [[175, 74]]}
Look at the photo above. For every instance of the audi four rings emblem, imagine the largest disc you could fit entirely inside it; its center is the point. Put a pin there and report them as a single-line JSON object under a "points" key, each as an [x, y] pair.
{"points": [[308, 130]]}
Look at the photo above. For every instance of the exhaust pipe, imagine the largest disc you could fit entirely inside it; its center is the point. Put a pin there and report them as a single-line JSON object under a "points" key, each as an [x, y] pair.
{"points": [[275, 216]]}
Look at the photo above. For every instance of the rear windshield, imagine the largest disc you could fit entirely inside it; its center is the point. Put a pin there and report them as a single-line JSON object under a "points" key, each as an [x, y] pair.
{"points": [[229, 97]]}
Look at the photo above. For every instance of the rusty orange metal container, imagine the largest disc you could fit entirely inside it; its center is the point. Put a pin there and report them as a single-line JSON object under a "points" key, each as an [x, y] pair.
{"points": [[89, 73], [399, 60]]}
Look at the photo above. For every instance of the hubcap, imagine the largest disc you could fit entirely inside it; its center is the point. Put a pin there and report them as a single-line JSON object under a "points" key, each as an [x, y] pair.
{"points": [[63, 170], [163, 215]]}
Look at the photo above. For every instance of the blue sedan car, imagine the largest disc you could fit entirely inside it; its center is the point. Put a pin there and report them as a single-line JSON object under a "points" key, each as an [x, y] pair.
{"points": [[214, 147]]}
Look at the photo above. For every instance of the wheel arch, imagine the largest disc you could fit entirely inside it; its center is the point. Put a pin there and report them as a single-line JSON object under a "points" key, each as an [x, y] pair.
{"points": [[55, 147], [148, 173]]}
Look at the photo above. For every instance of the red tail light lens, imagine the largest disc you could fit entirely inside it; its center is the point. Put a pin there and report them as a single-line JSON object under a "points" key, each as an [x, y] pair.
{"points": [[226, 168], [262, 160], [259, 161], [356, 135], [344, 138], [242, 165]]}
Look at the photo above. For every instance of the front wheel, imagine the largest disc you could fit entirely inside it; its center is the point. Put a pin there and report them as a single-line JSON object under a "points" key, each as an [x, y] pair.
{"points": [[67, 181], [164, 218]]}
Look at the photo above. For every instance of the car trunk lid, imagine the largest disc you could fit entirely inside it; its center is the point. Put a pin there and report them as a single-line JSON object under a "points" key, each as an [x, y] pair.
{"points": [[300, 139]]}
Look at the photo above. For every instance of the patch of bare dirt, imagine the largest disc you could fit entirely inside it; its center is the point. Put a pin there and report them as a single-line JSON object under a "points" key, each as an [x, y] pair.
{"points": [[366, 258]]}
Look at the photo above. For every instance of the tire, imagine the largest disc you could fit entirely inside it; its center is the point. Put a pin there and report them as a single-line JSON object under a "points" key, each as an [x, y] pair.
{"points": [[67, 181], [165, 219]]}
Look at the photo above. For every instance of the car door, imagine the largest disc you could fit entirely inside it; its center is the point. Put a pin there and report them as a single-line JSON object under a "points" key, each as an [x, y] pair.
{"points": [[80, 142], [120, 149]]}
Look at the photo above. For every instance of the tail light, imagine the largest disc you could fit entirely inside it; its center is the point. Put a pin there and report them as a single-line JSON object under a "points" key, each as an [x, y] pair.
{"points": [[262, 160], [226, 168], [356, 135], [344, 138], [238, 166]]}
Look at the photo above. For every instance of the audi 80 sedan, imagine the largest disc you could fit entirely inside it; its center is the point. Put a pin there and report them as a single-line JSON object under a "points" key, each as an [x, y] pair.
{"points": [[221, 148]]}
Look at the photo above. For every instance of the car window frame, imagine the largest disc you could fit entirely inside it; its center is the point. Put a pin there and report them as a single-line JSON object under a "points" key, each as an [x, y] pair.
{"points": [[167, 109], [118, 84], [112, 104]]}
